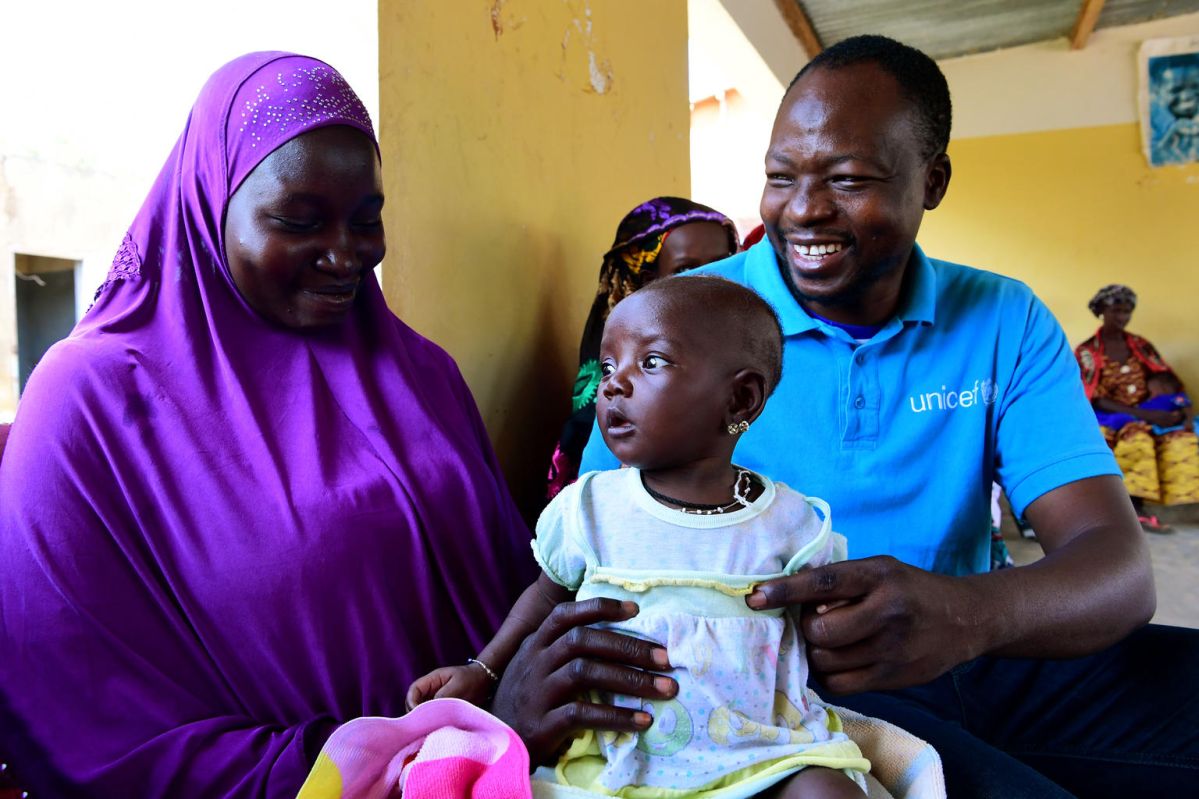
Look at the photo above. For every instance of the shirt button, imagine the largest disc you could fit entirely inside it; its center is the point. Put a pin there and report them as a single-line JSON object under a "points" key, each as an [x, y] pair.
{"points": [[859, 358], [860, 402]]}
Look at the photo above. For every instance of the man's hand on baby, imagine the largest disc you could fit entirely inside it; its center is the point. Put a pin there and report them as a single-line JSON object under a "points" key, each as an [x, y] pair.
{"points": [[460, 682], [878, 624]]}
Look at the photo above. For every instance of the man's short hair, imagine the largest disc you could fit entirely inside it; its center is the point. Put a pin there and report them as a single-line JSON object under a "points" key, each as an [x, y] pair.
{"points": [[919, 78]]}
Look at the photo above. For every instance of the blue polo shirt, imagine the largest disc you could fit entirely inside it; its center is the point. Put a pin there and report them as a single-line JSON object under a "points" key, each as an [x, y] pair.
{"points": [[971, 381]]}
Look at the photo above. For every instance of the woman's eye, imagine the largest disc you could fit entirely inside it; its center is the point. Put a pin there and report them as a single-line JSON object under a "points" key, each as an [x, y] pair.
{"points": [[294, 223]]}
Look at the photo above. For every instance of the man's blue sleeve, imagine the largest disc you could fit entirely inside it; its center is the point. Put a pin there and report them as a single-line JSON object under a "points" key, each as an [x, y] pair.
{"points": [[596, 455], [1047, 432]]}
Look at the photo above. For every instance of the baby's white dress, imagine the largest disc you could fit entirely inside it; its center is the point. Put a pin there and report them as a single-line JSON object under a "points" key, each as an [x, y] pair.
{"points": [[744, 717]]}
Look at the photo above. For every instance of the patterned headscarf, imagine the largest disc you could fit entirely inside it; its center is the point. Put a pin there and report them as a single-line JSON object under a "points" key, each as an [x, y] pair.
{"points": [[631, 261], [1111, 295], [629, 264]]}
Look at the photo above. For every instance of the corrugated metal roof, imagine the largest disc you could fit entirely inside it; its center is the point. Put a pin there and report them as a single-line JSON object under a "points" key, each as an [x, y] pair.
{"points": [[947, 28], [1128, 12], [944, 29]]}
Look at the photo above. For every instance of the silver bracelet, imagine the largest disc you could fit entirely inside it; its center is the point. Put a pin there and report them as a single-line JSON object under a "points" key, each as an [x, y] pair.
{"points": [[495, 677]]}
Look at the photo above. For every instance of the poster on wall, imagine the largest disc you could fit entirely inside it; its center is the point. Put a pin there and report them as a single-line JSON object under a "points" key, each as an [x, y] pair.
{"points": [[1169, 100]]}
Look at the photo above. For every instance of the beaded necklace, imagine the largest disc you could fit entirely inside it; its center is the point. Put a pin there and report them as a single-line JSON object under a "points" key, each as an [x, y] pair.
{"points": [[741, 488]]}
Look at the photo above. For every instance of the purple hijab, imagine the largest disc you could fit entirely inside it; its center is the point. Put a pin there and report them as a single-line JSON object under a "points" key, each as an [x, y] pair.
{"points": [[221, 538]]}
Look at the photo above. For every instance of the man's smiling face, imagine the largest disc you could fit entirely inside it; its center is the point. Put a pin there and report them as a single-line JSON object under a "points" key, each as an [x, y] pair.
{"points": [[847, 183]]}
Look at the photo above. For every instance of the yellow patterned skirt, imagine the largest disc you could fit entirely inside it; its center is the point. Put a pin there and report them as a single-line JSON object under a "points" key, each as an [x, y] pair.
{"points": [[1163, 469]]}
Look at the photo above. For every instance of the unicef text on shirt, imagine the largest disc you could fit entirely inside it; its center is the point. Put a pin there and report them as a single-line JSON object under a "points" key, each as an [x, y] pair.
{"points": [[984, 392]]}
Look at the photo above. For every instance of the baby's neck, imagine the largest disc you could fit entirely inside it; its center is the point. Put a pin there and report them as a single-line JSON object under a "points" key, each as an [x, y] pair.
{"points": [[701, 482]]}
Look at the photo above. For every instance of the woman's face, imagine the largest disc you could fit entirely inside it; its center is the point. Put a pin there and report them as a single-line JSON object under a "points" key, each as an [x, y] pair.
{"points": [[691, 246], [1116, 315], [305, 227]]}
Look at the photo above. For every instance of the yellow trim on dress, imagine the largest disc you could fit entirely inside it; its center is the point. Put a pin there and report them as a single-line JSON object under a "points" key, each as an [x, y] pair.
{"points": [[641, 586]]}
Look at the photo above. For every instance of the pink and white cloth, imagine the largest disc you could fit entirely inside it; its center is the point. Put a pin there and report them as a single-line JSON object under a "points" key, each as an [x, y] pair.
{"points": [[450, 749], [444, 749]]}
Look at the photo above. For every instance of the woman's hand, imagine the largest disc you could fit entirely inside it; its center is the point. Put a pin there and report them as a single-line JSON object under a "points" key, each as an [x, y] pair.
{"points": [[543, 694], [1161, 418]]}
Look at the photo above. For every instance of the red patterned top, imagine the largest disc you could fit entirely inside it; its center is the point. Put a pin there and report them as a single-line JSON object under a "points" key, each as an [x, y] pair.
{"points": [[1091, 359]]}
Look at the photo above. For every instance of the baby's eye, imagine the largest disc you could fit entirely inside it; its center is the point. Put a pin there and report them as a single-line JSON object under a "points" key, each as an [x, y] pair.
{"points": [[606, 369], [653, 361]]}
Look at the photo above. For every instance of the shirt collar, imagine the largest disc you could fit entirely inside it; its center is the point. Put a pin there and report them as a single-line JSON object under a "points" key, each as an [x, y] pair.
{"points": [[765, 277], [920, 304]]}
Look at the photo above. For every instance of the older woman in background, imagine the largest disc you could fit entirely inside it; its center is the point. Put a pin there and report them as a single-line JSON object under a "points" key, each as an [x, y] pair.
{"points": [[1155, 447], [659, 238]]}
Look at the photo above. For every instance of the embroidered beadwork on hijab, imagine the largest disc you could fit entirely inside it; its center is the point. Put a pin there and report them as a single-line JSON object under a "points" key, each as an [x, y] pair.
{"points": [[224, 536]]}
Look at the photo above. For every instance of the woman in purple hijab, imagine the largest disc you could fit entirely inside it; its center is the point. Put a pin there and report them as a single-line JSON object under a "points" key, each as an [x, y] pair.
{"points": [[242, 503]]}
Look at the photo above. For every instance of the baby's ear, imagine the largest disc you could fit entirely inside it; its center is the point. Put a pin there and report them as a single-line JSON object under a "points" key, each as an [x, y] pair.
{"points": [[748, 395]]}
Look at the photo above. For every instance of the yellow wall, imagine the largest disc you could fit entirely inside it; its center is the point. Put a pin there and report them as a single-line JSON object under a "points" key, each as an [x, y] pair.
{"points": [[515, 135], [1069, 211], [1050, 185]]}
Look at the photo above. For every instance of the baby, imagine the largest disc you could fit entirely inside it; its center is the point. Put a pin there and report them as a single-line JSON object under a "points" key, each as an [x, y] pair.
{"points": [[1166, 394], [687, 365]]}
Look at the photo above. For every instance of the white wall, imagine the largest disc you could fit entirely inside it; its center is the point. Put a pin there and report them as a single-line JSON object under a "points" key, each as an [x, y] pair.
{"points": [[94, 96], [1048, 86], [729, 134]]}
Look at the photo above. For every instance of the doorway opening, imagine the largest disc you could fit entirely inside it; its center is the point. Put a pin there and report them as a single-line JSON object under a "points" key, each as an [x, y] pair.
{"points": [[46, 307]]}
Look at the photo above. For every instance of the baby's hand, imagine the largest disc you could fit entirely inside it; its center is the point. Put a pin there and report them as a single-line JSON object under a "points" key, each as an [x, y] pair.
{"points": [[460, 682]]}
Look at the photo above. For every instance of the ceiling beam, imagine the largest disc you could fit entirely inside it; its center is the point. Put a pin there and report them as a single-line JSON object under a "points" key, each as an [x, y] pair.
{"points": [[801, 26], [1088, 15]]}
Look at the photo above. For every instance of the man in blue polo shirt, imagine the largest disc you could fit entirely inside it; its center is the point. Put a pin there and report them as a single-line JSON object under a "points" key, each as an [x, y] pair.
{"points": [[909, 385], [887, 419]]}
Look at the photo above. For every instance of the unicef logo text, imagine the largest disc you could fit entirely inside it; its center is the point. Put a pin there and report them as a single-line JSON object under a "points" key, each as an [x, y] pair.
{"points": [[983, 392]]}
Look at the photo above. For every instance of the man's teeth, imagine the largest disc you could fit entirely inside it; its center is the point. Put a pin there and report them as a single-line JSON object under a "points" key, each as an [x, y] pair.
{"points": [[810, 250]]}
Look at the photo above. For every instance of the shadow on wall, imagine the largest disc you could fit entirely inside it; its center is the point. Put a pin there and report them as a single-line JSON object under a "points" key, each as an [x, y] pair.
{"points": [[533, 400]]}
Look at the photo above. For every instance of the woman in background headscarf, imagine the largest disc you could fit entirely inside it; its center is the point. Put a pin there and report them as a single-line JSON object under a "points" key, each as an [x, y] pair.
{"points": [[659, 238], [1155, 447], [243, 503]]}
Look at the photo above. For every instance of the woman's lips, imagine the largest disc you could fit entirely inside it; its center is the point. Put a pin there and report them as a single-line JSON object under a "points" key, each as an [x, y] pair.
{"points": [[337, 296]]}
